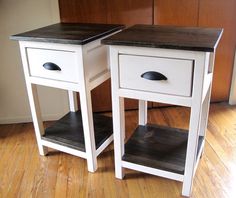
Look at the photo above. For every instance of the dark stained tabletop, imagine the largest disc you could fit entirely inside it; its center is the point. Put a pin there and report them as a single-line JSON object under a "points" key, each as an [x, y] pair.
{"points": [[68, 33], [171, 37]]}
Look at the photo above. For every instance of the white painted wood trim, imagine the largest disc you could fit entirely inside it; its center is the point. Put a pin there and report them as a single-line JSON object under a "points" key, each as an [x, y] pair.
{"points": [[157, 52], [55, 84], [104, 145], [51, 46], [199, 156], [117, 115], [73, 101], [34, 104], [207, 85], [87, 118], [142, 112], [153, 171], [64, 149], [148, 96], [198, 83], [232, 97], [99, 79], [204, 113], [36, 116], [206, 98]]}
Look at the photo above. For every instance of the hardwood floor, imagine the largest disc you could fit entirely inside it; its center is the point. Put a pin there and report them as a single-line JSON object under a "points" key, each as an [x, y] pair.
{"points": [[23, 173]]}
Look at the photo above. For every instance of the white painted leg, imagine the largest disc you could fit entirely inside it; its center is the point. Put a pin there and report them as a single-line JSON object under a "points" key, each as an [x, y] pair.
{"points": [[119, 131], [87, 117], [195, 120], [191, 151], [73, 101], [36, 116], [117, 114], [142, 112], [204, 115]]}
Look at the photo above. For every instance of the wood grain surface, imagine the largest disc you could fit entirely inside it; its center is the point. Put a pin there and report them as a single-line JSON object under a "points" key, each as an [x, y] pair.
{"points": [[158, 147], [167, 37], [221, 13], [24, 173], [206, 13], [172, 12], [68, 131], [83, 11], [68, 33], [128, 12]]}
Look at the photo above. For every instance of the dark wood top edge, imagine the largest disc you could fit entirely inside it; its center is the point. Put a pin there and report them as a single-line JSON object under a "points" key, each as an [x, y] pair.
{"points": [[24, 37], [164, 46], [135, 43], [218, 40]]}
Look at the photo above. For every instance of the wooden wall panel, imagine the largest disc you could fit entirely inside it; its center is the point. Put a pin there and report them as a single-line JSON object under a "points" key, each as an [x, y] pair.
{"points": [[172, 12], [209, 13], [130, 12], [85, 11], [89, 11], [206, 13], [127, 12], [220, 13]]}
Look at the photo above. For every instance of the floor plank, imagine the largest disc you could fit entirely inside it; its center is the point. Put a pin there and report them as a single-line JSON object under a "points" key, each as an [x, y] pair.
{"points": [[24, 173]]}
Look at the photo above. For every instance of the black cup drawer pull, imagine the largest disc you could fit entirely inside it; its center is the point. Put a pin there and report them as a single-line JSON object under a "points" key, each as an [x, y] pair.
{"points": [[51, 66], [152, 75]]}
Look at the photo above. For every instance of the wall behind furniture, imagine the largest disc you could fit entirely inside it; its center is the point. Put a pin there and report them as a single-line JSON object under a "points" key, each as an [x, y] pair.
{"points": [[127, 12], [206, 13], [16, 17]]}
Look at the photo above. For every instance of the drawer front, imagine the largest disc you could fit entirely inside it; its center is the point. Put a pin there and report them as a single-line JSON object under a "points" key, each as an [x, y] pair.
{"points": [[65, 60], [177, 71]]}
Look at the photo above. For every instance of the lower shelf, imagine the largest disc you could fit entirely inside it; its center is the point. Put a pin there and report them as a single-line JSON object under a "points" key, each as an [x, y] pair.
{"points": [[68, 131], [158, 147]]}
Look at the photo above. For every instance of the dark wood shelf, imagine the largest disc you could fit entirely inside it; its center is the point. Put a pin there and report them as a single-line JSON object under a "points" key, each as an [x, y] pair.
{"points": [[68, 131], [158, 147]]}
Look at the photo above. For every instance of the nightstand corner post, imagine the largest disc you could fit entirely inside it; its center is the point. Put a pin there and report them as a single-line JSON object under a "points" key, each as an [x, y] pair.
{"points": [[118, 114], [142, 113], [87, 115], [33, 101], [196, 111], [73, 101], [36, 116], [89, 137]]}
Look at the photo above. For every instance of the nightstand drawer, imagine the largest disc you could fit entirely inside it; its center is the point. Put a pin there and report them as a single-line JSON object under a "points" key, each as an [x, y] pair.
{"points": [[156, 74], [53, 64]]}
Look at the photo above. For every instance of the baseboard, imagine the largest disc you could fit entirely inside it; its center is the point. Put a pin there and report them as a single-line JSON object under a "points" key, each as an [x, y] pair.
{"points": [[24, 119]]}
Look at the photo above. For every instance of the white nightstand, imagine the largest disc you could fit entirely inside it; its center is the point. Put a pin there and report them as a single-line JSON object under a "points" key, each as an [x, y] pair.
{"points": [[169, 65], [70, 57]]}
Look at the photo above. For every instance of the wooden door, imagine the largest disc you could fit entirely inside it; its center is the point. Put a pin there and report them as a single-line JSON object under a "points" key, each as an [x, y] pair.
{"points": [[127, 12]]}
